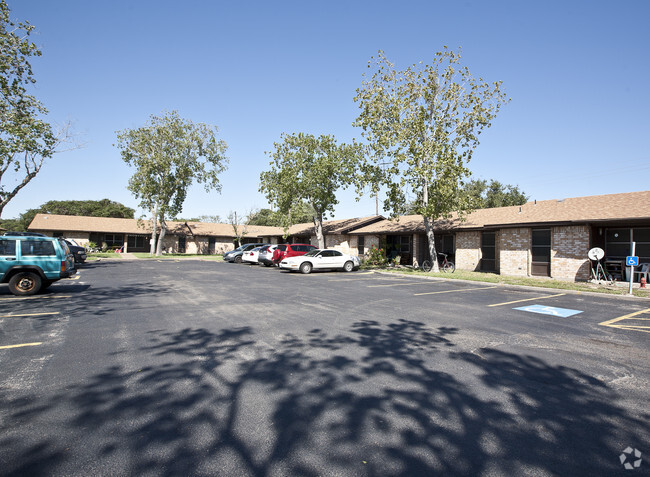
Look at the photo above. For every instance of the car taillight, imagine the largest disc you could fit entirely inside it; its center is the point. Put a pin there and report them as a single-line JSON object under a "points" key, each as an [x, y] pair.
{"points": [[63, 266]]}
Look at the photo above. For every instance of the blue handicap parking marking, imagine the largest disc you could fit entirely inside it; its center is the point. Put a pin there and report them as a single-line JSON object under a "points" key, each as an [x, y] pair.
{"points": [[549, 310]]}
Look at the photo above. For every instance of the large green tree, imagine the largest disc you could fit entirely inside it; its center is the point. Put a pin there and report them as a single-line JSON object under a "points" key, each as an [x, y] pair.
{"points": [[486, 195], [90, 208], [170, 154], [422, 125], [26, 140], [311, 169], [301, 213]]}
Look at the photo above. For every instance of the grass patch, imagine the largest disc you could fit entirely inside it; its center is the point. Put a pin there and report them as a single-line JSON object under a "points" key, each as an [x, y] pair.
{"points": [[616, 289]]}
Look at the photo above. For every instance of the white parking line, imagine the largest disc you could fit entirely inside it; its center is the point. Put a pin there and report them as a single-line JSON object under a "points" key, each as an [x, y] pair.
{"points": [[20, 345], [30, 314], [36, 297], [454, 291], [397, 284], [528, 299]]}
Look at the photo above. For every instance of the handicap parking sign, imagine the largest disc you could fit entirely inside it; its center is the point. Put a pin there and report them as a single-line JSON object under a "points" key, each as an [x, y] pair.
{"points": [[549, 310], [631, 261]]}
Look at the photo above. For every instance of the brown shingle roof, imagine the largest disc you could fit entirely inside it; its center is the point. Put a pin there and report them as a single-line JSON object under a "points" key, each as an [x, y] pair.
{"points": [[70, 223], [611, 207], [341, 226]]}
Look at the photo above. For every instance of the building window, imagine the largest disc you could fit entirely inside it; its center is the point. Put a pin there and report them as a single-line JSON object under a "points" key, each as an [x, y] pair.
{"points": [[618, 243], [361, 244], [114, 240], [642, 238], [181, 244], [136, 241]]}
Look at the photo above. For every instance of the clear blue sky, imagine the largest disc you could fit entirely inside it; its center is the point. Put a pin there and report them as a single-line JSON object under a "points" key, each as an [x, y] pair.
{"points": [[577, 72]]}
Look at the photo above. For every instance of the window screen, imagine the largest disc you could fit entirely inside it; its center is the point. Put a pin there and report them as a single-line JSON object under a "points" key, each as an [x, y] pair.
{"points": [[138, 241], [113, 240], [541, 248]]}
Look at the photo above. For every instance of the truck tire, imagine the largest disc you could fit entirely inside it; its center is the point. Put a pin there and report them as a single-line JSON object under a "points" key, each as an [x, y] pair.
{"points": [[25, 283]]}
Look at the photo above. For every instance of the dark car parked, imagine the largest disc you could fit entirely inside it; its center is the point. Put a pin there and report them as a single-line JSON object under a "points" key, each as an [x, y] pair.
{"points": [[236, 255], [291, 250], [78, 251]]}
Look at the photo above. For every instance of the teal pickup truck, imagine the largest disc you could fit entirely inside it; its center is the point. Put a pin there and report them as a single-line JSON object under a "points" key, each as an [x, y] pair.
{"points": [[30, 264]]}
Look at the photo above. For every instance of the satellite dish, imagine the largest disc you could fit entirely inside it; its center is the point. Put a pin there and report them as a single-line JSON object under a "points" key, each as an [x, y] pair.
{"points": [[596, 253]]}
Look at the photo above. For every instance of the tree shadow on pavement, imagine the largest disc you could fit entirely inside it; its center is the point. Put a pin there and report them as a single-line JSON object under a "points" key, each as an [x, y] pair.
{"points": [[377, 399]]}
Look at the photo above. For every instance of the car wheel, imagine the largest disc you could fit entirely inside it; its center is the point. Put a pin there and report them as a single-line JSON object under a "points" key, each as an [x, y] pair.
{"points": [[305, 267], [25, 283], [267, 264], [348, 267], [237, 260]]}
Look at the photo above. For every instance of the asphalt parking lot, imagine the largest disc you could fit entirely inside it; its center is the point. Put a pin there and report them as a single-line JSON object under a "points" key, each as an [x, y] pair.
{"points": [[205, 368]]}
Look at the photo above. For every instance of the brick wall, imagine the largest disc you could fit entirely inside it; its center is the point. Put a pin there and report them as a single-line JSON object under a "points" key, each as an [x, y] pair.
{"points": [[340, 243], [569, 249], [468, 250], [514, 251], [198, 244]]}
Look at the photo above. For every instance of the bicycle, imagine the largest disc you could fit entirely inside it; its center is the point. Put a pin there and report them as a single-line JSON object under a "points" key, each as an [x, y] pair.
{"points": [[446, 266]]}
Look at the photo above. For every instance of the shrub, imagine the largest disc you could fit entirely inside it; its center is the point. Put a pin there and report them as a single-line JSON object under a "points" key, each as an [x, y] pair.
{"points": [[376, 256]]}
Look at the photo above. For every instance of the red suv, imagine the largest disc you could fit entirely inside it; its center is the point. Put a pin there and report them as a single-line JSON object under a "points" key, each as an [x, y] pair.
{"points": [[290, 250]]}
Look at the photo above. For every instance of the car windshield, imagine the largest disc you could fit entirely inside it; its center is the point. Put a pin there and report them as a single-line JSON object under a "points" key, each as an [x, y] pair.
{"points": [[312, 253]]}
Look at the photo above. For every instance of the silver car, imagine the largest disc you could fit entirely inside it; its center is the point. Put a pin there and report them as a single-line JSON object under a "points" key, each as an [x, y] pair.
{"points": [[266, 255]]}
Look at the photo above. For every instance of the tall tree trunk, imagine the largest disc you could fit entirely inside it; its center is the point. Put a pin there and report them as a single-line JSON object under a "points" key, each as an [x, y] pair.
{"points": [[154, 229], [163, 230], [318, 226], [428, 228]]}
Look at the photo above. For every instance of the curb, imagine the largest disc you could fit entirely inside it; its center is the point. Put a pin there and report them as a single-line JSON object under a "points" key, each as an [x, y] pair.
{"points": [[521, 287]]}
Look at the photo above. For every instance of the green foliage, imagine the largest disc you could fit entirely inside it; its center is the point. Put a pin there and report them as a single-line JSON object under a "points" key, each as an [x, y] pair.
{"points": [[311, 169], [376, 257], [301, 213], [89, 208], [422, 125], [263, 217], [169, 154], [494, 194], [25, 139]]}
